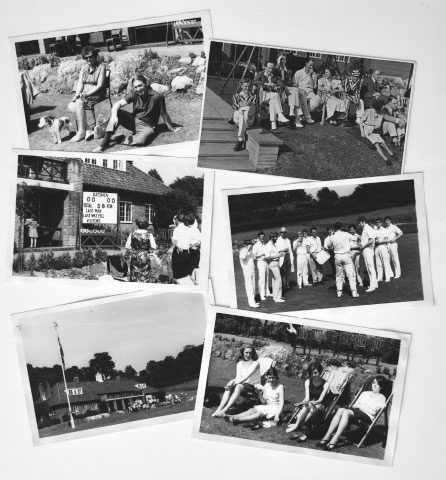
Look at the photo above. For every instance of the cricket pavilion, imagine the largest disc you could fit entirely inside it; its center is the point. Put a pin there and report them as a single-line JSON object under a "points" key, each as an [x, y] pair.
{"points": [[92, 397], [82, 202]]}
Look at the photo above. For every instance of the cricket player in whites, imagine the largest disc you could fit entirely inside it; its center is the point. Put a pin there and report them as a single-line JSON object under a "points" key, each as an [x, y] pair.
{"points": [[259, 252], [340, 243], [367, 248], [394, 234], [286, 263], [382, 257], [249, 272]]}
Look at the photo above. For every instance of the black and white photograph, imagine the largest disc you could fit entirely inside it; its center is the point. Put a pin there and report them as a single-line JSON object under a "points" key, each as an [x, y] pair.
{"points": [[304, 114], [301, 386], [324, 245], [112, 219], [115, 87], [110, 364]]}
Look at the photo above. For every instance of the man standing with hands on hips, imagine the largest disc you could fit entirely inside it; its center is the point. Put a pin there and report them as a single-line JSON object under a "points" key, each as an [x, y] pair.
{"points": [[368, 252], [286, 263], [394, 234]]}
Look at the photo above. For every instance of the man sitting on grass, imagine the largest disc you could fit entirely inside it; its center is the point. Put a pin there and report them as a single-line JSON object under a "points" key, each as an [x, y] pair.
{"points": [[148, 106]]}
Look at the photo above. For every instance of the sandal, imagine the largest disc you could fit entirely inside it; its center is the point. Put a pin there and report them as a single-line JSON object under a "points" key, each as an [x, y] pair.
{"points": [[330, 447], [322, 444]]}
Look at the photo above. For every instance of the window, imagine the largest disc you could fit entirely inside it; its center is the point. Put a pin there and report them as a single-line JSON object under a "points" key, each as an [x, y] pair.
{"points": [[149, 212], [75, 391], [117, 165], [93, 161], [125, 212], [104, 163], [342, 58], [315, 55]]}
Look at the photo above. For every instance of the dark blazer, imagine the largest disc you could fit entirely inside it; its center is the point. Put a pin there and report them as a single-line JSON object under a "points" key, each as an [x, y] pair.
{"points": [[368, 88], [260, 80]]}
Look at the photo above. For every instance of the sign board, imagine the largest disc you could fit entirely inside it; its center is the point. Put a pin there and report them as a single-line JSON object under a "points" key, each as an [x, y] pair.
{"points": [[100, 207], [141, 385]]}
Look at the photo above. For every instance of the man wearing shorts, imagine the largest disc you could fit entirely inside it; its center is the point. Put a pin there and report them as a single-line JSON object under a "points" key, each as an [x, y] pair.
{"points": [[148, 106]]}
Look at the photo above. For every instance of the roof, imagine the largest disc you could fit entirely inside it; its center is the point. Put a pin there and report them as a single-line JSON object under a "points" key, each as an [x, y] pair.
{"points": [[92, 390], [132, 180]]}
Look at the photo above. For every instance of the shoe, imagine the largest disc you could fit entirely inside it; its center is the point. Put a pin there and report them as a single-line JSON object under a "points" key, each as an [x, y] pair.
{"points": [[89, 134], [329, 447], [239, 146], [355, 294], [370, 289], [273, 126], [397, 276], [298, 125], [282, 119], [309, 120], [339, 294], [117, 138], [269, 294], [256, 305], [302, 438], [321, 444], [387, 281], [279, 300], [299, 287], [263, 298]]}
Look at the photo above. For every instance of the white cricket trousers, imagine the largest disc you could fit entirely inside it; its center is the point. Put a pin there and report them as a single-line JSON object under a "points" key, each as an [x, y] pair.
{"points": [[394, 258], [382, 259], [250, 285], [344, 263], [262, 267], [276, 280], [275, 106], [241, 118], [356, 259], [369, 259], [302, 269]]}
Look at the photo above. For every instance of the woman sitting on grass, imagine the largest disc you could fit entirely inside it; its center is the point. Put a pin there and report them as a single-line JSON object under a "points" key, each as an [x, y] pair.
{"points": [[365, 409], [247, 375], [313, 405], [273, 399]]}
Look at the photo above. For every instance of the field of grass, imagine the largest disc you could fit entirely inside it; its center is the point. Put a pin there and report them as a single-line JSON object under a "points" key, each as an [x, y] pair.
{"points": [[183, 110], [64, 428], [322, 223], [407, 288], [221, 371]]}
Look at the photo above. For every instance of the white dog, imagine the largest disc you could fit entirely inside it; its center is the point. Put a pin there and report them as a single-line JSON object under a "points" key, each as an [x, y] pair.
{"points": [[55, 125]]}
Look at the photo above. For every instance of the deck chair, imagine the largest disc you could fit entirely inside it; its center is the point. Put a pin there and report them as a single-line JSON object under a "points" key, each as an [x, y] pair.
{"points": [[384, 411], [339, 381]]}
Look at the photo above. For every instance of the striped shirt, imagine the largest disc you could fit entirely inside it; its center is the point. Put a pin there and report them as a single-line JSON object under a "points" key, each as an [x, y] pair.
{"points": [[239, 98]]}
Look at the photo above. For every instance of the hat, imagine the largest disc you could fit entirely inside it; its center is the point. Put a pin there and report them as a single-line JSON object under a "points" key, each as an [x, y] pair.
{"points": [[283, 230]]}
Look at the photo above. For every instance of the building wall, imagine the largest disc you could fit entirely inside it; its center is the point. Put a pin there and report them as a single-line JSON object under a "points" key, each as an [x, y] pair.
{"points": [[72, 205]]}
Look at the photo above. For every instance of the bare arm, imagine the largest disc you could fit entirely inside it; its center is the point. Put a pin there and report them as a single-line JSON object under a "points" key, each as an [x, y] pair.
{"points": [[80, 85], [322, 395], [166, 118]]}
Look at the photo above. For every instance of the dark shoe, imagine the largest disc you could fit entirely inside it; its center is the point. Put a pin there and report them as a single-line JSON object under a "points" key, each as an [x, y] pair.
{"points": [[329, 447], [239, 146], [322, 444], [117, 138], [388, 162], [257, 426]]}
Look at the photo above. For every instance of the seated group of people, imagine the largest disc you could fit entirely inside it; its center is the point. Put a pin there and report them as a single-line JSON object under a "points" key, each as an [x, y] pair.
{"points": [[305, 91], [320, 388], [148, 106], [375, 240]]}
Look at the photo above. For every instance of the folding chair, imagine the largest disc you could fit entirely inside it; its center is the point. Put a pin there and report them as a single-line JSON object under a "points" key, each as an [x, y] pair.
{"points": [[384, 410], [339, 391]]}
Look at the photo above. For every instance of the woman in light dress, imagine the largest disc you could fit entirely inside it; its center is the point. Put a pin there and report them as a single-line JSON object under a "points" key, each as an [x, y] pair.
{"points": [[330, 90], [247, 375]]}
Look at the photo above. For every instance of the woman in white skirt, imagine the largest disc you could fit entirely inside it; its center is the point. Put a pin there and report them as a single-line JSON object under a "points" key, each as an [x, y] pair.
{"points": [[272, 398]]}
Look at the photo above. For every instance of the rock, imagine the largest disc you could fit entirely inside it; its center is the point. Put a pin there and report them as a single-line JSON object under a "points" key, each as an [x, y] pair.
{"points": [[200, 89], [200, 69], [179, 70], [158, 87], [198, 61], [217, 353], [228, 354], [185, 61], [181, 82]]}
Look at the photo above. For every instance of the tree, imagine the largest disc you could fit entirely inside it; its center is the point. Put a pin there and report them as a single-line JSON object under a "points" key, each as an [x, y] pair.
{"points": [[102, 363], [174, 202], [129, 372], [189, 184], [153, 172]]}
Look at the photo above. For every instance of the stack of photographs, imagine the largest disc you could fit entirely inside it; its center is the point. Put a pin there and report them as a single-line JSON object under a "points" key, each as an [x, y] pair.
{"points": [[125, 128]]}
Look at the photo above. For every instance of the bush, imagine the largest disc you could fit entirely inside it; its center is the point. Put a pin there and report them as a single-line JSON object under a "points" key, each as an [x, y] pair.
{"points": [[19, 262], [89, 257], [31, 263], [45, 261], [62, 262], [78, 259]]}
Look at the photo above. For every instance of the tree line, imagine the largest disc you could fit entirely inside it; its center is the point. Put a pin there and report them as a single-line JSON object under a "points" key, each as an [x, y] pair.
{"points": [[278, 207], [169, 371], [351, 345]]}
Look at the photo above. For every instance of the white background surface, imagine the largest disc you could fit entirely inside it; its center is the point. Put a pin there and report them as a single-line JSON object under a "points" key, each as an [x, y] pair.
{"points": [[404, 29]]}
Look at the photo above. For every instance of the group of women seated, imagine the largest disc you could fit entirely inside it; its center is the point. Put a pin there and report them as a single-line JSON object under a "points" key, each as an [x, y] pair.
{"points": [[310, 411]]}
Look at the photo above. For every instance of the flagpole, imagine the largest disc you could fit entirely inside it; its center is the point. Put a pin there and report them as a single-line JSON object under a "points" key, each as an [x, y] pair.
{"points": [[63, 375]]}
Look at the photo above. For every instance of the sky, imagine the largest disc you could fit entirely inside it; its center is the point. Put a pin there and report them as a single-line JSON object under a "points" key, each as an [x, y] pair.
{"points": [[170, 168], [132, 331]]}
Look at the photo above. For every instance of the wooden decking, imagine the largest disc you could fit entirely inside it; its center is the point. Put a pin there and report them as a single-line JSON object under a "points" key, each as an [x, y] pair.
{"points": [[218, 138]]}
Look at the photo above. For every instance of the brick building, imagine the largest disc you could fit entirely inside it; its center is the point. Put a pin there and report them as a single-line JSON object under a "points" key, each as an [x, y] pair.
{"points": [[50, 191], [92, 396]]}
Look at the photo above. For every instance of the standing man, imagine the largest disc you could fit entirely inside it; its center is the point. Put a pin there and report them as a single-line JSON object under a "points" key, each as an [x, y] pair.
{"points": [[370, 89], [259, 252], [394, 234], [314, 246], [354, 252], [273, 257], [249, 272], [148, 106], [301, 261], [271, 87], [382, 257], [340, 242], [330, 231], [306, 81], [367, 248], [286, 263]]}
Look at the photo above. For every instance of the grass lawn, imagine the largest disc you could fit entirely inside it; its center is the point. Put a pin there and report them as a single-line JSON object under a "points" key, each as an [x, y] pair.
{"points": [[407, 288], [183, 109], [64, 428], [221, 371]]}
